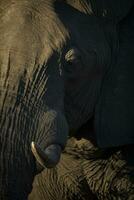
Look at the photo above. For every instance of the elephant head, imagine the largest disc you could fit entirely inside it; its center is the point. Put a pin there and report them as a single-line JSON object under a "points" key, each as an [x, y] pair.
{"points": [[53, 59]]}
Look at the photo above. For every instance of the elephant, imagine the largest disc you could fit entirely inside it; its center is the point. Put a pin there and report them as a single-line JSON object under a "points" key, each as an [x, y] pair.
{"points": [[86, 172], [61, 66]]}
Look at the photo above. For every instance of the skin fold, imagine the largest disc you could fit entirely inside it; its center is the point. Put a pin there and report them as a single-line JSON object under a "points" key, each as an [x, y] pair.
{"points": [[87, 173], [53, 59]]}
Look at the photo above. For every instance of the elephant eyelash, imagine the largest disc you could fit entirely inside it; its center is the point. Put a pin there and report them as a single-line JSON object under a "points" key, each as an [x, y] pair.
{"points": [[72, 56]]}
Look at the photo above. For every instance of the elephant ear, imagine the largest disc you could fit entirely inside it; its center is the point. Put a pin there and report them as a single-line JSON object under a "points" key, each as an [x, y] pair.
{"points": [[114, 115], [81, 5], [114, 10]]}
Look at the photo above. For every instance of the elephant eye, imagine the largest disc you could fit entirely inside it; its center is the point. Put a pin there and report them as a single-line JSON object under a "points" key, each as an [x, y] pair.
{"points": [[73, 56]]}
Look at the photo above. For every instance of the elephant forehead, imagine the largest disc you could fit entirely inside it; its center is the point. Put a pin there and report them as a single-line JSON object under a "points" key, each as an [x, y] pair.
{"points": [[31, 27]]}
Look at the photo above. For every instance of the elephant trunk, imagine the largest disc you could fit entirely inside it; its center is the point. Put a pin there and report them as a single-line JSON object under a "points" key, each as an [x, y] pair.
{"points": [[32, 113], [17, 168]]}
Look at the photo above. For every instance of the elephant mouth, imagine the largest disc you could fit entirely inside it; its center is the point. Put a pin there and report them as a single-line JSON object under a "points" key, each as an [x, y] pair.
{"points": [[47, 158], [88, 127]]}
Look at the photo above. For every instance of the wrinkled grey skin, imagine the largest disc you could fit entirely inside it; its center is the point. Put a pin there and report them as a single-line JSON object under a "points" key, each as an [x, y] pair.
{"points": [[53, 59], [45, 68], [86, 171]]}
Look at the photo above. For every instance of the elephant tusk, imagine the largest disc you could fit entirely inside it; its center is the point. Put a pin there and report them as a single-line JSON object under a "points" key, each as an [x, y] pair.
{"points": [[36, 155], [48, 158]]}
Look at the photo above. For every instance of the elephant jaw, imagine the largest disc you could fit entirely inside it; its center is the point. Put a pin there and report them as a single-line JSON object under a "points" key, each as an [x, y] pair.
{"points": [[48, 157]]}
